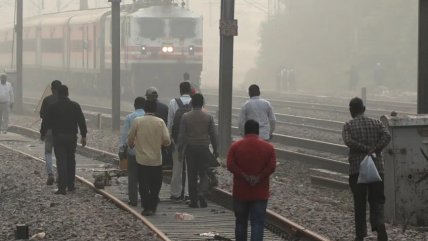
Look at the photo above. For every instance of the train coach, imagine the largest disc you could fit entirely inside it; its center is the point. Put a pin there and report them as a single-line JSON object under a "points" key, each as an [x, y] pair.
{"points": [[159, 42]]}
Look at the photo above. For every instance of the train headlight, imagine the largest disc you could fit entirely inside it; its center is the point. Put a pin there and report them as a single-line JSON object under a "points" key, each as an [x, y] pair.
{"points": [[170, 49], [143, 49], [164, 49], [191, 50]]}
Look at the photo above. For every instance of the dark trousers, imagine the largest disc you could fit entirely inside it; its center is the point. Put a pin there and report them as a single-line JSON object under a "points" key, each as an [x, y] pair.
{"points": [[65, 149], [197, 165], [150, 183], [256, 210], [132, 180], [375, 193]]}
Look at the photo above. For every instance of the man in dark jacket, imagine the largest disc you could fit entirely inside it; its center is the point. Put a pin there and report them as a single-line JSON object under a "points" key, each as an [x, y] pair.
{"points": [[197, 131], [48, 139], [161, 112], [63, 117]]}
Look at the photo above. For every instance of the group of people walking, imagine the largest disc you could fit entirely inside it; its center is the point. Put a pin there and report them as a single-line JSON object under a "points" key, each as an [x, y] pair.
{"points": [[186, 132], [61, 120], [190, 133]]}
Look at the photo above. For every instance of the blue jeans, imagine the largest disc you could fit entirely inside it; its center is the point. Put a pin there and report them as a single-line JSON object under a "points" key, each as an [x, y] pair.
{"points": [[256, 210]]}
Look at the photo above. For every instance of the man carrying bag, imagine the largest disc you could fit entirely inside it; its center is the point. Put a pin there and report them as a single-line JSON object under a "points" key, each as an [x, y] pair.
{"points": [[366, 136]]}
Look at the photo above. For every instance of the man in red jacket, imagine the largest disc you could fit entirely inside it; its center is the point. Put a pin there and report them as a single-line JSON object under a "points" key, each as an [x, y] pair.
{"points": [[251, 160]]}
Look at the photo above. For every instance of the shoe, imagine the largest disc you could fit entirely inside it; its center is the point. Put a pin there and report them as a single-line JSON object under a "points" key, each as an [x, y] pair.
{"points": [[71, 189], [62, 192], [176, 199], [193, 205], [202, 203], [381, 233], [132, 204], [147, 212], [50, 180], [186, 199]]}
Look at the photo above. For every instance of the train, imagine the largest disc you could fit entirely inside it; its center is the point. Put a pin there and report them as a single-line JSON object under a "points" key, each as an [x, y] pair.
{"points": [[159, 42]]}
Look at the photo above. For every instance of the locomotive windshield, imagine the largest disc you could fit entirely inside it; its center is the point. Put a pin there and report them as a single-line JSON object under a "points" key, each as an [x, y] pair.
{"points": [[151, 28], [182, 27]]}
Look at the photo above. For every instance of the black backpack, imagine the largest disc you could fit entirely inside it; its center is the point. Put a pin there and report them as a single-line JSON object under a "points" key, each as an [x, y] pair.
{"points": [[182, 108]]}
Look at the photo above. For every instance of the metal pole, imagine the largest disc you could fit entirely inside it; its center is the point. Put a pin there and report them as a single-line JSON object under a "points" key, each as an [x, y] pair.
{"points": [[115, 63], [18, 29], [423, 58], [228, 29], [83, 4], [364, 95]]}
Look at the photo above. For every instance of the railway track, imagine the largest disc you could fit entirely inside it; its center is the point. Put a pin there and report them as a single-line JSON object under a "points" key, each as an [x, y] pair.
{"points": [[283, 228], [93, 114]]}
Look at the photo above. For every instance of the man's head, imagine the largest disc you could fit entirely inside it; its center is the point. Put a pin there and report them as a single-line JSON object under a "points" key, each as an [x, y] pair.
{"points": [[62, 91], [54, 86], [356, 107], [254, 90], [251, 127], [139, 102], [197, 100], [152, 93], [186, 76], [150, 106], [185, 88], [3, 78]]}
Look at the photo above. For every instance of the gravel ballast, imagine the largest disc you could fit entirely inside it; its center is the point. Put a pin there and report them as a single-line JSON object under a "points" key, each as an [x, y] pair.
{"points": [[82, 215], [325, 211]]}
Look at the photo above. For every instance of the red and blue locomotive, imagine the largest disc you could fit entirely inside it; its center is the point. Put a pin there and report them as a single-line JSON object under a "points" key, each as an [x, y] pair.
{"points": [[159, 42]]}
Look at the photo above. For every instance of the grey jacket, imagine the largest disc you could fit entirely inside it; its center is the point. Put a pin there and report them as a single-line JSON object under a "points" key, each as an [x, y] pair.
{"points": [[197, 128]]}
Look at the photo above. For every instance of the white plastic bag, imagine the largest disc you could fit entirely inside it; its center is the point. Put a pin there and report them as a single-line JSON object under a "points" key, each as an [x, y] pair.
{"points": [[368, 171]]}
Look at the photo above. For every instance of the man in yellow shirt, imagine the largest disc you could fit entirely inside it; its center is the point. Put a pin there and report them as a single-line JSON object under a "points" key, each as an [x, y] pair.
{"points": [[147, 134]]}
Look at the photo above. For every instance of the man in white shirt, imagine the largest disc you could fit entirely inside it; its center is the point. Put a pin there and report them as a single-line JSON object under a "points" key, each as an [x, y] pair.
{"points": [[177, 165], [6, 102], [260, 110]]}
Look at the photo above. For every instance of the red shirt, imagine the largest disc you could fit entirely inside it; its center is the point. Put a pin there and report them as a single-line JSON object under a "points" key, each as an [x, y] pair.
{"points": [[255, 157]]}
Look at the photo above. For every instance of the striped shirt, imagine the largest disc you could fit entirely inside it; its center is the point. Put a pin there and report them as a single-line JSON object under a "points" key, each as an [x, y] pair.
{"points": [[361, 135]]}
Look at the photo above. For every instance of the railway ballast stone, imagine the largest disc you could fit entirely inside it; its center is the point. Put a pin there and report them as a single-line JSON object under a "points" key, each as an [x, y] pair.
{"points": [[25, 199]]}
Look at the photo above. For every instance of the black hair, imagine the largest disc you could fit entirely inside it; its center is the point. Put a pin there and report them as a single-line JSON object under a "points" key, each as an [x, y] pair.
{"points": [[139, 102], [185, 88], [150, 106], [62, 91], [251, 127], [55, 84], [197, 100], [356, 106], [186, 76], [254, 90]]}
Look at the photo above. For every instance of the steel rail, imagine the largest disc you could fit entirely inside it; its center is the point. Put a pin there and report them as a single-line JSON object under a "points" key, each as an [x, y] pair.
{"points": [[105, 194], [275, 222], [283, 139], [277, 103]]}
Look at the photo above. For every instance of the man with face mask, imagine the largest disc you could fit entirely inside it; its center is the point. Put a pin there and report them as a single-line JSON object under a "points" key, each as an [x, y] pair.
{"points": [[6, 102]]}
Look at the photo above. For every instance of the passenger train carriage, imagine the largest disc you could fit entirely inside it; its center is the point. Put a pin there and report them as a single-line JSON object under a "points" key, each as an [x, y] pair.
{"points": [[158, 44]]}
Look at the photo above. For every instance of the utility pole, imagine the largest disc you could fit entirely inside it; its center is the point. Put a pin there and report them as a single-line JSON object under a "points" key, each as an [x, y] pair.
{"points": [[228, 29], [115, 63], [83, 4], [18, 29], [423, 58]]}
